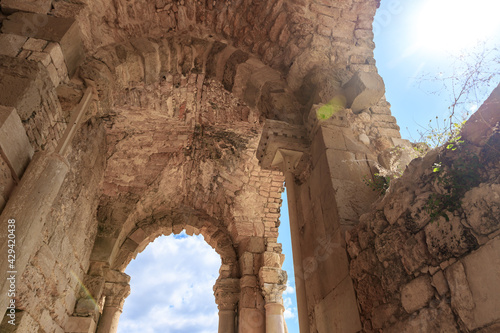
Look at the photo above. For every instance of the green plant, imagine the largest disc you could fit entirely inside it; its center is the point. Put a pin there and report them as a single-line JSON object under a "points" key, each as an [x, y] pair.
{"points": [[378, 183], [456, 178]]}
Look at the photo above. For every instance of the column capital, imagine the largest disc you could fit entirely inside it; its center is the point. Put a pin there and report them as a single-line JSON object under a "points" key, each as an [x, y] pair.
{"points": [[227, 293], [116, 293], [273, 292]]}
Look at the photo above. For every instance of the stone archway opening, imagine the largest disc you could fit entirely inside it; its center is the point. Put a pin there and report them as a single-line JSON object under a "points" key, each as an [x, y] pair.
{"points": [[171, 286]]}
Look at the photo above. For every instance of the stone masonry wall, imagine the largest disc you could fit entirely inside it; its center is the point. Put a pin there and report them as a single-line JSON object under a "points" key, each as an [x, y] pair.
{"points": [[47, 290], [426, 258]]}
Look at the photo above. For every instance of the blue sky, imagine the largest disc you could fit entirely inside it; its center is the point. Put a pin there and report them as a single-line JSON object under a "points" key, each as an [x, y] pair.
{"points": [[172, 278]]}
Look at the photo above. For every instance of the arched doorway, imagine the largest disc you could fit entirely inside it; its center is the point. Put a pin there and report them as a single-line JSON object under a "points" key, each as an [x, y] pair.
{"points": [[172, 287]]}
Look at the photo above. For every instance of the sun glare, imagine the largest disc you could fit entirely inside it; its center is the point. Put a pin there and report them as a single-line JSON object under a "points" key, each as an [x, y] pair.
{"points": [[451, 25]]}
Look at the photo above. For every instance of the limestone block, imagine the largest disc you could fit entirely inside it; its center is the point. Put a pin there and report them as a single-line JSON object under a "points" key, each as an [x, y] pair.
{"points": [[482, 208], [14, 142], [439, 282], [24, 323], [11, 44], [338, 311], [55, 52], [461, 296], [415, 254], [438, 319], [34, 6], [102, 248], [65, 31], [272, 259], [138, 236], [448, 238], [364, 90], [80, 325], [482, 269], [246, 263], [383, 314], [416, 294], [272, 276], [42, 57], [34, 44]]}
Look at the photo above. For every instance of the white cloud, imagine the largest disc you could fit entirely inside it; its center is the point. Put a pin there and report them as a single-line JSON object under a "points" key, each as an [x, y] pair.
{"points": [[171, 282], [289, 289], [290, 309]]}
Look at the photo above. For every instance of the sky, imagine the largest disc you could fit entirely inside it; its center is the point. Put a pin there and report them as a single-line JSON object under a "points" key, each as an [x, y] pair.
{"points": [[172, 279]]}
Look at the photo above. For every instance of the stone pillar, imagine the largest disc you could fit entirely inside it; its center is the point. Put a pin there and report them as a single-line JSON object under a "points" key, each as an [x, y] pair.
{"points": [[116, 292], [29, 206], [108, 323], [226, 293], [273, 293]]}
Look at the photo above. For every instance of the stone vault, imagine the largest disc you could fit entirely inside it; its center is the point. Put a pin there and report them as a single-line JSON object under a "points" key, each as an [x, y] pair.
{"points": [[121, 121]]}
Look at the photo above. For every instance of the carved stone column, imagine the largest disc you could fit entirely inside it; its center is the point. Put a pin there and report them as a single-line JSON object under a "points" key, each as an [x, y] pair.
{"points": [[226, 293], [275, 322], [116, 292]]}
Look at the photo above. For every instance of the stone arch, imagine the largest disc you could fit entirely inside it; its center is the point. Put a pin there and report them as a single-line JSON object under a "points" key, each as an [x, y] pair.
{"points": [[123, 75], [144, 233], [145, 61], [116, 289]]}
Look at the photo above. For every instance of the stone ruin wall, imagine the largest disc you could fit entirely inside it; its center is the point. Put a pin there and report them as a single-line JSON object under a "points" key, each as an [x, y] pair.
{"points": [[417, 272], [196, 84]]}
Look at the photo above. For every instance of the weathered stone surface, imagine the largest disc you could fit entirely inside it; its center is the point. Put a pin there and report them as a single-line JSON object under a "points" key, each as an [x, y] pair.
{"points": [[446, 239], [80, 325], [439, 282], [461, 296], [337, 310], [363, 90], [14, 143], [438, 319], [417, 294], [11, 44], [482, 208], [415, 254], [482, 270], [64, 31], [383, 314]]}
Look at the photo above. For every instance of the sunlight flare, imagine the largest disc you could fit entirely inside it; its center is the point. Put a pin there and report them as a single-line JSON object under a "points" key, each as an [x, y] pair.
{"points": [[449, 26]]}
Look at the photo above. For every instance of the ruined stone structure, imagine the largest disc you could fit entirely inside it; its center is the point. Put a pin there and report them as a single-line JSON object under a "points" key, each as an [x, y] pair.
{"points": [[121, 121]]}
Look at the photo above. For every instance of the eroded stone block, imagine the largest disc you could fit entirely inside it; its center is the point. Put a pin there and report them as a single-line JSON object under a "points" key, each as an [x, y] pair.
{"points": [[11, 44], [65, 31], [364, 90], [14, 142], [416, 294]]}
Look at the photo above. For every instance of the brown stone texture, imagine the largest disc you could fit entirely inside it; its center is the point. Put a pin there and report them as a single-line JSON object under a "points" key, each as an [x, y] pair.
{"points": [[195, 107], [443, 255]]}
